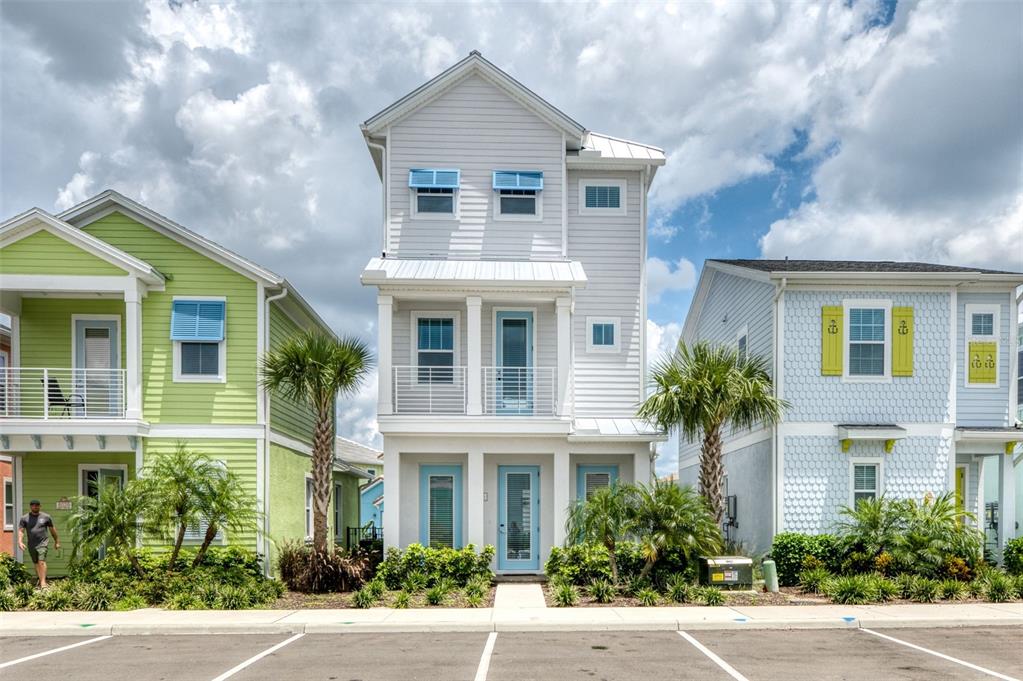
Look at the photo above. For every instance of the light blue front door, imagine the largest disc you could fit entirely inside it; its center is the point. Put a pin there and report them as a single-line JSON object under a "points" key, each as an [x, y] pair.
{"points": [[514, 385], [518, 531], [96, 388]]}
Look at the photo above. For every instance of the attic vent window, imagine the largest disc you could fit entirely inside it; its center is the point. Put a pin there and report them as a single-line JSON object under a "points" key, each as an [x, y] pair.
{"points": [[518, 194], [602, 197], [434, 192]]}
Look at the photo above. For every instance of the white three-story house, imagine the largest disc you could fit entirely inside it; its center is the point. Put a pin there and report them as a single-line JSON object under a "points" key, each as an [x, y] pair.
{"points": [[511, 313]]}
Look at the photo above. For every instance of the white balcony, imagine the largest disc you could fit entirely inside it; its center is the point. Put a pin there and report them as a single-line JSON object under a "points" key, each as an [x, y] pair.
{"points": [[62, 393], [506, 391]]}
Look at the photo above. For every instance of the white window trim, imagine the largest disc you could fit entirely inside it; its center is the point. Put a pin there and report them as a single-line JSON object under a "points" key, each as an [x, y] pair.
{"points": [[616, 347], [456, 328], [196, 538], [75, 318], [742, 331], [865, 461], [501, 217], [83, 467], [337, 510], [308, 505], [221, 377], [623, 187], [416, 215], [9, 501], [995, 337], [863, 303]]}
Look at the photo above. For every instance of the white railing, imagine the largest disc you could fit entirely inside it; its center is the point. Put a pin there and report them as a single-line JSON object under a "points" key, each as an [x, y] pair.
{"points": [[56, 393], [429, 390], [520, 391]]}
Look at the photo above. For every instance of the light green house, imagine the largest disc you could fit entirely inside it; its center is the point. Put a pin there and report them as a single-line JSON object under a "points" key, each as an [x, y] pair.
{"points": [[147, 335]]}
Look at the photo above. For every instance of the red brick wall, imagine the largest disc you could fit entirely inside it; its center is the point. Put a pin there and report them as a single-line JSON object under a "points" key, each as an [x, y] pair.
{"points": [[6, 536]]}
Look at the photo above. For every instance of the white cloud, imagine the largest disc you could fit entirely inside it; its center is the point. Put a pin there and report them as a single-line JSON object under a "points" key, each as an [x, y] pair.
{"points": [[661, 339], [663, 277]]}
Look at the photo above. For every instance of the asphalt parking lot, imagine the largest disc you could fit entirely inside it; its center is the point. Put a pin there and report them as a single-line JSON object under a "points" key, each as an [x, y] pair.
{"points": [[755, 655]]}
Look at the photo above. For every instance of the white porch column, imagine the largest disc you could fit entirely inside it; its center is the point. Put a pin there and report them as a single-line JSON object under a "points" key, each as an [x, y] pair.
{"points": [[564, 307], [133, 350], [385, 380], [18, 466], [474, 498], [562, 494], [641, 466], [392, 495], [1006, 501], [474, 358]]}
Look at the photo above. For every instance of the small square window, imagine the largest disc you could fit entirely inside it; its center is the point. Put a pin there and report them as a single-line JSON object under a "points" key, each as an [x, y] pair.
{"points": [[983, 324], [603, 334]]}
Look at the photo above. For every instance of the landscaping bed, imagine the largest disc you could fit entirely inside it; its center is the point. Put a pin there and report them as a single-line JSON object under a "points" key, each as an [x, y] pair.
{"points": [[294, 600]]}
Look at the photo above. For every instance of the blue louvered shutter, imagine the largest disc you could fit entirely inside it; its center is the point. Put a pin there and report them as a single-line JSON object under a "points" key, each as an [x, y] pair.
{"points": [[198, 320], [518, 179], [434, 178]]}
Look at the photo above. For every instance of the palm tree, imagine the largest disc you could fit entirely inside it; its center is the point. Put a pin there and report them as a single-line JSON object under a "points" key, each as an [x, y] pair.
{"points": [[224, 503], [700, 389], [665, 516], [313, 368], [176, 482], [109, 521], [606, 518]]}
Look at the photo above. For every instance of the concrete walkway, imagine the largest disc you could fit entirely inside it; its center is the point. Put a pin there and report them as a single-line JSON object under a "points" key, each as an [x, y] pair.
{"points": [[156, 621], [513, 596]]}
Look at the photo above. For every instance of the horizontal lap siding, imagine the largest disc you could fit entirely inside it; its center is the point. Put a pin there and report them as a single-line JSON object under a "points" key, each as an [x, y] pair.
{"points": [[190, 274], [286, 416], [476, 128], [545, 332], [402, 334], [47, 330], [983, 406], [46, 253], [286, 503], [607, 384]]}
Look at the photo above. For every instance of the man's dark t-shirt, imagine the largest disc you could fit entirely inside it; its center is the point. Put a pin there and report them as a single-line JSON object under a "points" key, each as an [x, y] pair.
{"points": [[37, 527]]}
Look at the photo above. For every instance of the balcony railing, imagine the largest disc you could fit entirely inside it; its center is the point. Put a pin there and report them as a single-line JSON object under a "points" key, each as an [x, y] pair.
{"points": [[57, 393], [519, 391], [511, 391]]}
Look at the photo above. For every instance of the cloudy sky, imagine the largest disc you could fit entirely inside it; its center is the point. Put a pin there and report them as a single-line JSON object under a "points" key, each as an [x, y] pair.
{"points": [[849, 130]]}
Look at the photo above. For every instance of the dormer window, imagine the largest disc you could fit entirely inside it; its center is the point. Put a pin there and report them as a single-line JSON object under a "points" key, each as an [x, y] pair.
{"points": [[518, 194], [434, 192]]}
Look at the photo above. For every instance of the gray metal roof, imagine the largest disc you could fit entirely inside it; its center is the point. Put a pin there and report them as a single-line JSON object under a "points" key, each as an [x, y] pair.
{"points": [[845, 266]]}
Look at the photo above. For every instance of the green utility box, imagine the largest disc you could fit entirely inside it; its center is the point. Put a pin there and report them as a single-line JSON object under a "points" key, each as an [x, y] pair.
{"points": [[727, 572]]}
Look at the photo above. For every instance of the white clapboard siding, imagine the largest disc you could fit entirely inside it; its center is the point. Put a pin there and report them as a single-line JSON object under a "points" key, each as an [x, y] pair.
{"points": [[401, 329], [609, 247], [476, 128]]}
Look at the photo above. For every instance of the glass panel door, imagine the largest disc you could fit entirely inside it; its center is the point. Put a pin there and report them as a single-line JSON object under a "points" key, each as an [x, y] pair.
{"points": [[442, 511], [514, 362], [95, 388], [519, 528]]}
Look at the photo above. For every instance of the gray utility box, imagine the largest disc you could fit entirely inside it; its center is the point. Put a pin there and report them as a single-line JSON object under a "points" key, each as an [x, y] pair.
{"points": [[729, 572]]}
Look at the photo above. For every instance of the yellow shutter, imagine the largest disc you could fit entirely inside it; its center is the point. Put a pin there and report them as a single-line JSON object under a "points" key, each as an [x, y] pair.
{"points": [[960, 489], [831, 340], [902, 341], [982, 362]]}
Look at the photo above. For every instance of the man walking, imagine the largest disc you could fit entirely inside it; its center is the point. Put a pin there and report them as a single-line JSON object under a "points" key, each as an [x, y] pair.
{"points": [[35, 528]]}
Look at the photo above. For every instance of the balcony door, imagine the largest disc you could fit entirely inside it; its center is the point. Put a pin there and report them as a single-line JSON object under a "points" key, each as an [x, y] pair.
{"points": [[514, 371], [96, 384]]}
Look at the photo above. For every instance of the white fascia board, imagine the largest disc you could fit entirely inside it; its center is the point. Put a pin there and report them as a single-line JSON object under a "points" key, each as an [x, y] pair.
{"points": [[907, 278], [473, 425], [1007, 435], [649, 437], [851, 432], [108, 201], [738, 271], [696, 308], [611, 163], [74, 427], [300, 302]]}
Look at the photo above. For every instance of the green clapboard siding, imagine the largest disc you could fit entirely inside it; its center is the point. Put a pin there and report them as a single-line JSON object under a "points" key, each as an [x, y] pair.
{"points": [[47, 253], [238, 455], [831, 340], [46, 328], [189, 274], [902, 341], [296, 420], [48, 476]]}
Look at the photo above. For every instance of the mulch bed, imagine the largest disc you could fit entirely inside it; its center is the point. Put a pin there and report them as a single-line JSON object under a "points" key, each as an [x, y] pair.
{"points": [[786, 596], [294, 600]]}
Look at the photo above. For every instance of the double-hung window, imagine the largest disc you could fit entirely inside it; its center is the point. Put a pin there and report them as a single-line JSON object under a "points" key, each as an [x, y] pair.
{"points": [[518, 194], [308, 508], [198, 334], [8, 504], [339, 530], [435, 348], [434, 192], [866, 481], [196, 532], [742, 343], [982, 345], [868, 339], [602, 197]]}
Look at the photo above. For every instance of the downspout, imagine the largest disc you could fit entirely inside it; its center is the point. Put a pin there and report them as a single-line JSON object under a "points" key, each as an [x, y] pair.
{"points": [[778, 472], [383, 192], [265, 396]]}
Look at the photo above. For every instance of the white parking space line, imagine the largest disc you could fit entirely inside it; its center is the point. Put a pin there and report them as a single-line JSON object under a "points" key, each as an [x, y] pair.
{"points": [[943, 656], [488, 650], [256, 658], [51, 652], [713, 658]]}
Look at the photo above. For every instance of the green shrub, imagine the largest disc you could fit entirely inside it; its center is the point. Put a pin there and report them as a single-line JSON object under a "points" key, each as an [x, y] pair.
{"points": [[402, 600], [975, 589], [790, 549], [885, 589], [363, 598], [677, 589], [905, 583], [473, 600], [999, 587], [579, 564], [851, 590], [413, 582], [234, 598], [647, 597], [457, 565], [602, 591], [8, 601], [952, 590], [56, 597], [1019, 586], [477, 587], [23, 592], [815, 580], [436, 595], [566, 595], [633, 585], [130, 602], [183, 601], [12, 572], [925, 590], [1012, 557], [92, 597], [377, 588], [710, 595]]}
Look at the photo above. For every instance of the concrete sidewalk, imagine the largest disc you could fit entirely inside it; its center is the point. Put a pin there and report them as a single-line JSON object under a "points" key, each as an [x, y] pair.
{"points": [[156, 621]]}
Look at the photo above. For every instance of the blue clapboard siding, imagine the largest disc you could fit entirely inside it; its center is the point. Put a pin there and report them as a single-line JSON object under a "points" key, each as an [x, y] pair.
{"points": [[983, 406]]}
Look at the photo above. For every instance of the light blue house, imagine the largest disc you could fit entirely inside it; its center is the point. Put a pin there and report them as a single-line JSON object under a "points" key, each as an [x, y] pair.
{"points": [[902, 379], [371, 504]]}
